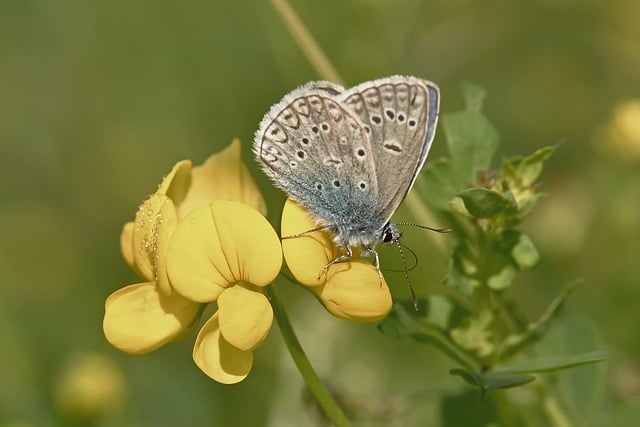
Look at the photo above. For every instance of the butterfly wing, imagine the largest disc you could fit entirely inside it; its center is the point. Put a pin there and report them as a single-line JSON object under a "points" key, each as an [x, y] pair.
{"points": [[399, 115], [317, 151]]}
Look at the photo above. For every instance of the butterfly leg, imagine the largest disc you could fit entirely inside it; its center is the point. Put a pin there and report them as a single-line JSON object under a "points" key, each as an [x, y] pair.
{"points": [[376, 261], [304, 233], [377, 264], [341, 258]]}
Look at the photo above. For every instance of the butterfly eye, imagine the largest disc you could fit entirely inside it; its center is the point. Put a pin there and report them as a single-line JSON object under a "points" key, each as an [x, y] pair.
{"points": [[388, 236]]}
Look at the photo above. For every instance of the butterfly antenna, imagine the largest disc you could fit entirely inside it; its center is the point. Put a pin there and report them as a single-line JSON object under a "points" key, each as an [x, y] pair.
{"points": [[413, 254], [406, 275], [437, 230]]}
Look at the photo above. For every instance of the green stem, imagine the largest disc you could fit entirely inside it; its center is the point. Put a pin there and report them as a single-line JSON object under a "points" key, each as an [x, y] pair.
{"points": [[441, 342], [325, 400], [553, 409], [319, 61]]}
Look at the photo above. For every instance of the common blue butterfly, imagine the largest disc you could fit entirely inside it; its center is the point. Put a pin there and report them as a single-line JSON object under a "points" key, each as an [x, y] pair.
{"points": [[350, 156]]}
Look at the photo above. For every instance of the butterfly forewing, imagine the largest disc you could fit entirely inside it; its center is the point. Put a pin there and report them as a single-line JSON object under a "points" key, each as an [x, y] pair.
{"points": [[316, 150], [399, 115]]}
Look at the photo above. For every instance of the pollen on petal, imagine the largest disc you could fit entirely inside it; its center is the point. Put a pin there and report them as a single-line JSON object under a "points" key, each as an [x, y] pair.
{"points": [[307, 253], [245, 317], [139, 318], [156, 215], [353, 291], [220, 244], [219, 359]]}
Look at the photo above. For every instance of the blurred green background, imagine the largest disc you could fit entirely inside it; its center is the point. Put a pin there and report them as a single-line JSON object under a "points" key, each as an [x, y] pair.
{"points": [[99, 99]]}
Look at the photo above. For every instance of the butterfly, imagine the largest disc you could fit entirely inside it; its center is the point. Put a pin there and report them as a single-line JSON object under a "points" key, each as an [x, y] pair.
{"points": [[350, 156]]}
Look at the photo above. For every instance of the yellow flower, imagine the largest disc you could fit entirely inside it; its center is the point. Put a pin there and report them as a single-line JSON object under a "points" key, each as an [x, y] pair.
{"points": [[349, 290], [621, 135], [226, 252], [88, 386], [145, 316]]}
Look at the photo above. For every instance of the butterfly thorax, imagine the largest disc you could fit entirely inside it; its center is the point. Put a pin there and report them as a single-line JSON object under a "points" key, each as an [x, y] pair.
{"points": [[364, 236]]}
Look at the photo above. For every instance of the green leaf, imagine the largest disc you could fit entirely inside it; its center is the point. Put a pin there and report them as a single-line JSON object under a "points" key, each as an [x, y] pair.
{"points": [[536, 330], [440, 311], [528, 169], [436, 186], [582, 388], [456, 205], [526, 205], [499, 380], [484, 203], [458, 280], [462, 270], [391, 327], [474, 334], [471, 142], [437, 311], [492, 380], [503, 279], [553, 363], [471, 377], [474, 96], [524, 252], [402, 322]]}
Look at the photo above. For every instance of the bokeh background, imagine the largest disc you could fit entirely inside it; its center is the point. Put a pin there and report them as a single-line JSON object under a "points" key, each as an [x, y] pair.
{"points": [[99, 99]]}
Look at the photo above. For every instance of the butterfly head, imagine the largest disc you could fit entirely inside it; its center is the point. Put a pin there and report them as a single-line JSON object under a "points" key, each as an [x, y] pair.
{"points": [[389, 234]]}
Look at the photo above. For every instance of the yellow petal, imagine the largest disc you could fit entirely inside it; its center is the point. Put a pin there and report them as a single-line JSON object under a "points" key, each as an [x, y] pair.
{"points": [[217, 358], [196, 265], [166, 227], [139, 318], [307, 254], [155, 216], [177, 181], [223, 176], [220, 244], [126, 247], [245, 317], [353, 292]]}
